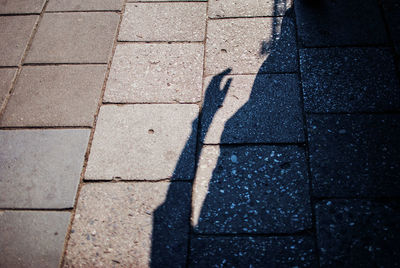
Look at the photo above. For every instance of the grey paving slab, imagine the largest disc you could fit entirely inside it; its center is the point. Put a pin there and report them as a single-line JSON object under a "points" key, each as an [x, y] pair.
{"points": [[354, 155], [32, 238], [247, 8], [83, 5], [41, 168], [391, 10], [21, 6], [123, 223], [349, 80], [156, 73], [251, 189], [252, 252], [337, 23], [6, 78], [256, 109], [144, 142], [183, 21], [15, 32], [74, 38], [358, 233], [251, 45]]}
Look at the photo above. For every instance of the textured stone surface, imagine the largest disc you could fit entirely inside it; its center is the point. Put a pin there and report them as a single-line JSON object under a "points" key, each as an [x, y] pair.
{"points": [[41, 168], [392, 14], [55, 96], [15, 32], [251, 189], [32, 239], [357, 233], [144, 142], [246, 44], [74, 37], [355, 155], [341, 22], [163, 22], [21, 6], [349, 80], [262, 108], [252, 252], [83, 5], [156, 73], [121, 223], [6, 78]]}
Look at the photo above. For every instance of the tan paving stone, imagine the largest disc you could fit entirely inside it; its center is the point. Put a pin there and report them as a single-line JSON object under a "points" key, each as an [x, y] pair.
{"points": [[6, 77], [21, 6], [55, 96], [74, 37], [84, 5], [156, 73], [15, 32], [163, 22]]}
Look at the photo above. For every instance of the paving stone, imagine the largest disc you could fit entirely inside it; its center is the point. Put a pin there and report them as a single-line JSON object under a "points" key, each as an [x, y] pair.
{"points": [[130, 225], [32, 238], [21, 6], [55, 96], [15, 32], [349, 80], [391, 10], [84, 5], [245, 44], [358, 233], [355, 155], [74, 38], [144, 142], [251, 189], [41, 168], [341, 22], [6, 78], [252, 252], [156, 73], [164, 22], [247, 8], [262, 108]]}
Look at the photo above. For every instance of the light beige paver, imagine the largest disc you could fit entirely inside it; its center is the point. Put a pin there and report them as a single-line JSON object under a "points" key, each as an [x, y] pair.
{"points": [[156, 73], [21, 6], [55, 96], [84, 5], [15, 32], [163, 22], [143, 142], [74, 37], [32, 239], [6, 78], [41, 168]]}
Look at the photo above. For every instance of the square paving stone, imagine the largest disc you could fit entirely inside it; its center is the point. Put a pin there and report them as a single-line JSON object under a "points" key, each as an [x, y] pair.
{"points": [[251, 189], [55, 96], [252, 252], [355, 155], [41, 168], [262, 108], [156, 73], [349, 80], [83, 5], [392, 14], [144, 142], [21, 6], [130, 225], [32, 238], [6, 77], [358, 233], [15, 32], [338, 23], [74, 38], [251, 45], [163, 22]]}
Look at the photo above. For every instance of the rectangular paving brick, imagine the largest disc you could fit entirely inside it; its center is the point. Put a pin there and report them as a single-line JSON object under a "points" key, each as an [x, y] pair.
{"points": [[55, 96], [163, 22], [251, 45], [262, 108], [354, 155], [144, 142], [41, 168], [251, 189], [156, 73], [349, 80], [32, 238], [358, 233], [130, 224], [74, 38], [15, 32], [83, 5], [21, 6], [6, 77]]}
